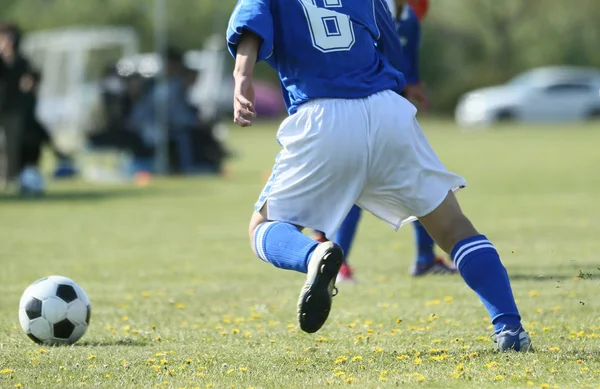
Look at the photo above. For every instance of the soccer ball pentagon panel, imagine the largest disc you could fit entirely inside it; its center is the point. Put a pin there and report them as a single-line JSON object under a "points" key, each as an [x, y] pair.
{"points": [[54, 310]]}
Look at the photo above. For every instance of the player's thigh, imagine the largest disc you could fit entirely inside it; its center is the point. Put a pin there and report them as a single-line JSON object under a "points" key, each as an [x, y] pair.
{"points": [[406, 178], [321, 170]]}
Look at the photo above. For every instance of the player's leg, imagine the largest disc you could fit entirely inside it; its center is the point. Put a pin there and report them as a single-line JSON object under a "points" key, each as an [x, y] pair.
{"points": [[408, 179], [286, 247], [479, 264], [426, 261], [311, 185], [345, 238]]}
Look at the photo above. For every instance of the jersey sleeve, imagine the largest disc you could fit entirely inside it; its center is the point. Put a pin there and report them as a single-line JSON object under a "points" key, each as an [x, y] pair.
{"points": [[255, 16], [411, 50], [389, 43]]}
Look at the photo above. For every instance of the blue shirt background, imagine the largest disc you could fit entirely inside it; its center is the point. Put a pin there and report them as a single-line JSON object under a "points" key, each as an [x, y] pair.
{"points": [[323, 48]]}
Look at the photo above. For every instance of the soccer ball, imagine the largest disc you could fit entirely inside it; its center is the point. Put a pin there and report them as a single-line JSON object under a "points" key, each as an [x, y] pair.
{"points": [[54, 310]]}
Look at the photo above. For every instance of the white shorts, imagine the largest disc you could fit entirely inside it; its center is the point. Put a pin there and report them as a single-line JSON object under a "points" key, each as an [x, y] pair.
{"points": [[370, 152]]}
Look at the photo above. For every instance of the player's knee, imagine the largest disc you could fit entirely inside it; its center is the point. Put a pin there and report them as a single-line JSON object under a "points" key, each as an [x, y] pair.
{"points": [[447, 224], [256, 220]]}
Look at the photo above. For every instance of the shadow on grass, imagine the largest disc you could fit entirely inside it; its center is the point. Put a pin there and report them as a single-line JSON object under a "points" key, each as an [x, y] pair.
{"points": [[113, 343], [542, 278], [80, 196]]}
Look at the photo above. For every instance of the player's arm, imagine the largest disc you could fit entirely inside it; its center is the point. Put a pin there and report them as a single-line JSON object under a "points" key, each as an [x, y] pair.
{"points": [[414, 88], [411, 50], [243, 93], [389, 43], [249, 40]]}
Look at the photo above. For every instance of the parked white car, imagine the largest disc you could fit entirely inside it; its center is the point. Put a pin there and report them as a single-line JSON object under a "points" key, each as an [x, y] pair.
{"points": [[547, 94]]}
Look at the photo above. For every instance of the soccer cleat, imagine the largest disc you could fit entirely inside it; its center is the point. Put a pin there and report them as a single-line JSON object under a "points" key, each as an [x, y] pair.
{"points": [[346, 274], [314, 303], [437, 266], [513, 339]]}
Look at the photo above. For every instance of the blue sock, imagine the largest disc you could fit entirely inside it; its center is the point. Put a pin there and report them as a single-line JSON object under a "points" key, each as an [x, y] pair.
{"points": [[345, 235], [479, 264], [283, 245], [424, 243]]}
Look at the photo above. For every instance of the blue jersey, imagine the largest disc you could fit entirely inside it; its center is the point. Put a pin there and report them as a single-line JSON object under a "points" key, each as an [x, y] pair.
{"points": [[323, 48], [409, 31]]}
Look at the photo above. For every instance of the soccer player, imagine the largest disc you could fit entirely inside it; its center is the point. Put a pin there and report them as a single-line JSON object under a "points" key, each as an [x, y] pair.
{"points": [[350, 139], [409, 31]]}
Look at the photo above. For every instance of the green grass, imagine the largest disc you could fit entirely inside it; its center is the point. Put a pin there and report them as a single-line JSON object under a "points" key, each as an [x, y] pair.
{"points": [[179, 300]]}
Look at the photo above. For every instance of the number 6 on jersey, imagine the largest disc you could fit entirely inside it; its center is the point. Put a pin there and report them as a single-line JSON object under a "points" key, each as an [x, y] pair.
{"points": [[330, 31]]}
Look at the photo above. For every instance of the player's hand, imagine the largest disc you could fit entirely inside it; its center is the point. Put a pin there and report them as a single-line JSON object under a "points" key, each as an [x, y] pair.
{"points": [[243, 102], [417, 94]]}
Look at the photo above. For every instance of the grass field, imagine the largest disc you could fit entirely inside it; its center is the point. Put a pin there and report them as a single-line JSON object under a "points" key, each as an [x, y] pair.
{"points": [[179, 301]]}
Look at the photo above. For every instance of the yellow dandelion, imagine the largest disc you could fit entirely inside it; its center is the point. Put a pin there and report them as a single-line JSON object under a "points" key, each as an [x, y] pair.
{"points": [[420, 378], [580, 361], [339, 374], [188, 361], [180, 306], [460, 367], [491, 365], [124, 318], [539, 310], [273, 341], [42, 351], [163, 361], [19, 385], [533, 293], [448, 299], [340, 359], [584, 369], [530, 383], [368, 322], [6, 371], [92, 356], [499, 378], [556, 308], [229, 371], [158, 338], [433, 302], [553, 348], [320, 339], [235, 331], [383, 373], [243, 369], [349, 380], [418, 361], [554, 371], [357, 358], [379, 350], [544, 386], [401, 357], [210, 385], [456, 374]]}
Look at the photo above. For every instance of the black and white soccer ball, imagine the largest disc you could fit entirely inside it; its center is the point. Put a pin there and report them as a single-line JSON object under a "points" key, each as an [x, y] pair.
{"points": [[54, 310]]}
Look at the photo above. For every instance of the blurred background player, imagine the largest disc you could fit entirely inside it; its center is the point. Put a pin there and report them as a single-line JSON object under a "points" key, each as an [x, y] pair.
{"points": [[408, 15], [26, 136]]}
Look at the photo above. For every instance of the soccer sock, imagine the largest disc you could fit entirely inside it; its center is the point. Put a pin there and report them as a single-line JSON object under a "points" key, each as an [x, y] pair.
{"points": [[345, 234], [283, 245], [479, 264], [424, 243]]}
